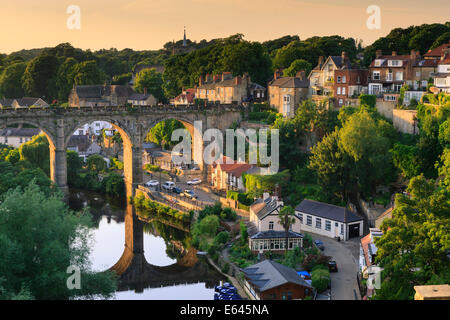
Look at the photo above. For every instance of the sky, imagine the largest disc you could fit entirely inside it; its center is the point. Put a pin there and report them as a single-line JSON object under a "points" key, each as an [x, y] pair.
{"points": [[149, 24]]}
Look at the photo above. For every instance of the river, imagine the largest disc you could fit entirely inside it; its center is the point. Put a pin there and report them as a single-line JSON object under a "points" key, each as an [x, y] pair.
{"points": [[164, 246]]}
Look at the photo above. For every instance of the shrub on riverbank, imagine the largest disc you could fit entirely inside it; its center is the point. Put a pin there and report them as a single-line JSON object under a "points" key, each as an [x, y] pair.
{"points": [[148, 208]]}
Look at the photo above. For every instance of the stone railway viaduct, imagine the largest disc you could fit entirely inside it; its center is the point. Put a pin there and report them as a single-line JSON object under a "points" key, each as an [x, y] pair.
{"points": [[133, 124]]}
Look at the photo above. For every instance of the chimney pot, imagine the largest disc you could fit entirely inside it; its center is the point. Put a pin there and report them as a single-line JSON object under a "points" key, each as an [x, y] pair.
{"points": [[394, 53]]}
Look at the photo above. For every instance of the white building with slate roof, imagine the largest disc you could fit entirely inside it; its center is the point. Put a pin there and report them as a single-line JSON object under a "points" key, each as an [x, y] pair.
{"points": [[329, 220]]}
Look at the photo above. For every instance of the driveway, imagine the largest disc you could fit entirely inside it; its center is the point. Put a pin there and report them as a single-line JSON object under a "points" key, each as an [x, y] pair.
{"points": [[346, 253]]}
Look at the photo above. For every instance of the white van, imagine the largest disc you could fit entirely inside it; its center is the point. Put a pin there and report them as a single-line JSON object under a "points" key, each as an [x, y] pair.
{"points": [[168, 185]]}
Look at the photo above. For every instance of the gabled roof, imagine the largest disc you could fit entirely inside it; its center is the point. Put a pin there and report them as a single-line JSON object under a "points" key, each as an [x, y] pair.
{"points": [[98, 91], [290, 82], [27, 101], [265, 207], [269, 274], [139, 96], [188, 94], [405, 58], [327, 211], [235, 168]]}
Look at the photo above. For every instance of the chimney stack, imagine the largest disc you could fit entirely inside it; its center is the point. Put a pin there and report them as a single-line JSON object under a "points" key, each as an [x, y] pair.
{"points": [[344, 56], [200, 80], [237, 80], [145, 91], [394, 53], [301, 74], [378, 53], [277, 74]]}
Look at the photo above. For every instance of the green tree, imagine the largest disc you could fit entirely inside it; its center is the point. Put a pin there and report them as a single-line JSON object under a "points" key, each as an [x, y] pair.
{"points": [[286, 218], [74, 165], [64, 78], [114, 185], [11, 80], [161, 133], [151, 80], [413, 249], [87, 73], [320, 278], [39, 78], [42, 244], [96, 163], [36, 151], [296, 66]]}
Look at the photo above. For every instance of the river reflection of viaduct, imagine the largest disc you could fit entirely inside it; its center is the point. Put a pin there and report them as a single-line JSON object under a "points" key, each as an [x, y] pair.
{"points": [[137, 274], [133, 124]]}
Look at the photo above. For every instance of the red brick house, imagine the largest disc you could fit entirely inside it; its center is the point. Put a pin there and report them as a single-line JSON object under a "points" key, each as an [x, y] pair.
{"points": [[348, 85]]}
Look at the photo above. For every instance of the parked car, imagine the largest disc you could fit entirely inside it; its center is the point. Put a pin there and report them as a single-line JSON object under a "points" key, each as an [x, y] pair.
{"points": [[332, 266], [194, 182], [168, 185], [152, 183], [319, 244], [190, 194], [177, 190]]}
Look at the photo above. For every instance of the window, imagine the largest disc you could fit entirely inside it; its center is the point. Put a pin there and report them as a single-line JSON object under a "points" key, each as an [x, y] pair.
{"points": [[417, 73], [344, 79], [399, 75], [341, 102], [309, 220], [342, 228], [339, 79], [338, 90], [390, 76], [318, 223], [328, 225], [300, 217], [343, 91], [271, 225], [376, 75]]}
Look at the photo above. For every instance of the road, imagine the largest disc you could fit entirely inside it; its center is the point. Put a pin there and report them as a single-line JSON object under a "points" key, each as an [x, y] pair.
{"points": [[343, 283]]}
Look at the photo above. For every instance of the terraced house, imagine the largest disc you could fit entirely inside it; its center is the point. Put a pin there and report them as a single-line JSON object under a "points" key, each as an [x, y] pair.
{"points": [[224, 88]]}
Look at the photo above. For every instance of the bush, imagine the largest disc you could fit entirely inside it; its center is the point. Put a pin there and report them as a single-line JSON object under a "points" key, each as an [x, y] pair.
{"points": [[226, 268], [320, 279], [368, 99], [222, 237]]}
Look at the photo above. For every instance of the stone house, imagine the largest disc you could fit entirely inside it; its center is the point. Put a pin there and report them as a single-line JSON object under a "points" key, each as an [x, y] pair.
{"points": [[286, 93], [322, 76], [328, 220], [224, 88], [142, 99], [28, 102], [100, 95], [83, 145], [5, 103], [15, 137], [269, 280]]}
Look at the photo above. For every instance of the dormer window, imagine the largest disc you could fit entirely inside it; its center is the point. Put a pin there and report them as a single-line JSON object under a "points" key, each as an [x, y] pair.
{"points": [[394, 63], [271, 225]]}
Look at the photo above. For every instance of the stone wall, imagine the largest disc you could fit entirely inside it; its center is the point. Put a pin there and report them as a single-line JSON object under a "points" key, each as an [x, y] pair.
{"points": [[405, 121], [386, 108]]}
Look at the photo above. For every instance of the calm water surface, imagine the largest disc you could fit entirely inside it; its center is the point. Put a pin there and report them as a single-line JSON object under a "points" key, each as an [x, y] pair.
{"points": [[108, 246]]}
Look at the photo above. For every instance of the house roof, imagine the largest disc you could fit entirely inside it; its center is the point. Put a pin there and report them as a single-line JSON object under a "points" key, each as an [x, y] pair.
{"points": [[327, 211], [290, 82], [139, 96], [263, 207], [341, 63], [224, 83], [81, 142], [384, 214], [436, 52], [188, 94], [27, 101], [405, 58], [269, 274], [19, 132], [272, 234], [236, 168]]}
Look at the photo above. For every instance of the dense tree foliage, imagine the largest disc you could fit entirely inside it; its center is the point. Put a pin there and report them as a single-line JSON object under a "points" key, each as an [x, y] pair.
{"points": [[161, 133], [150, 80], [41, 245]]}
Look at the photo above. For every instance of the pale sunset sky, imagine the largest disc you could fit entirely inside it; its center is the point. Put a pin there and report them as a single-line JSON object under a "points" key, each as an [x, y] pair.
{"points": [[148, 24]]}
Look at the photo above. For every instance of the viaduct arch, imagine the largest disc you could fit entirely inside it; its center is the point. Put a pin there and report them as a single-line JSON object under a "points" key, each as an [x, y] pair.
{"points": [[58, 124]]}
